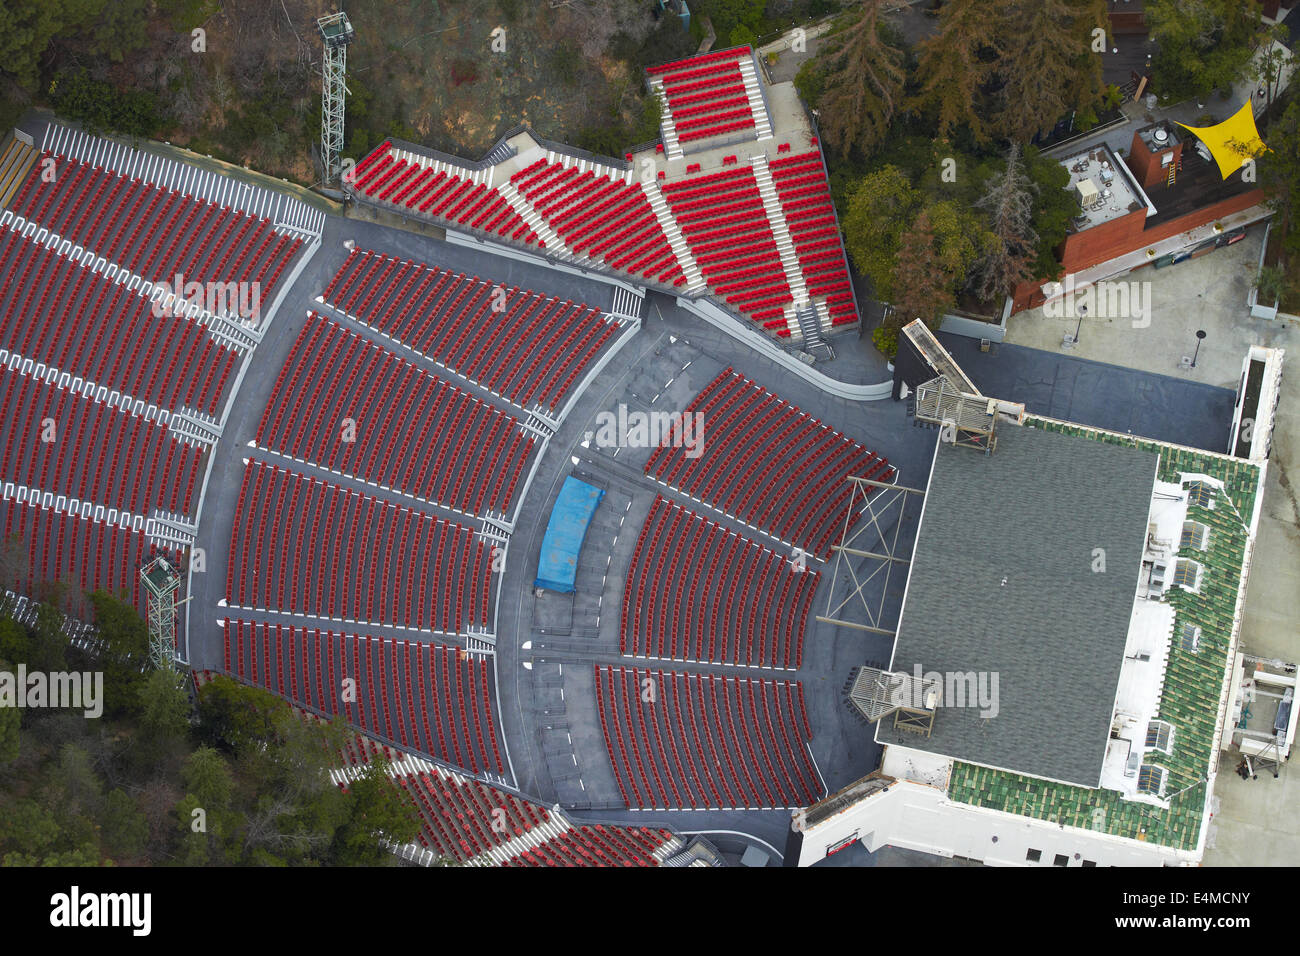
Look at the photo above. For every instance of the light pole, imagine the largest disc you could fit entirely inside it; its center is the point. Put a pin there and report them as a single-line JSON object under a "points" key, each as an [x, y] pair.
{"points": [[1083, 310], [1200, 337]]}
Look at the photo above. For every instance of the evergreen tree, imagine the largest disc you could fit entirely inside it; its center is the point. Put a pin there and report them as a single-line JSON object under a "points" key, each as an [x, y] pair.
{"points": [[862, 87]]}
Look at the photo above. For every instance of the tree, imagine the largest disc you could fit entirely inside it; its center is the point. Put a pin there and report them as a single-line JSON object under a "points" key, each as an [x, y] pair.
{"points": [[1054, 207], [1279, 171], [956, 63], [880, 208], [207, 836], [378, 807], [123, 829], [923, 291], [123, 649], [1009, 202], [935, 257], [862, 85], [1047, 64], [164, 708], [1201, 46]]}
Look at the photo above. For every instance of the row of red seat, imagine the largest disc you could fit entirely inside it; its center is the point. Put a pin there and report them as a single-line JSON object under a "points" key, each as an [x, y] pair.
{"points": [[698, 592], [596, 846], [810, 216], [84, 554], [759, 442], [62, 314], [686, 740], [694, 62], [528, 348], [344, 403], [601, 217], [154, 232], [303, 545], [441, 194], [60, 441], [723, 219], [425, 697], [463, 818]]}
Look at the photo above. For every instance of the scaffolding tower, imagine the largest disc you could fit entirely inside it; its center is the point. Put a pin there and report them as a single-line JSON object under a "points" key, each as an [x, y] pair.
{"points": [[336, 32], [161, 582]]}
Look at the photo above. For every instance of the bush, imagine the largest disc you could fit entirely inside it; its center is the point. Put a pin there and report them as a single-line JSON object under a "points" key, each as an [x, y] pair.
{"points": [[101, 108], [886, 340]]}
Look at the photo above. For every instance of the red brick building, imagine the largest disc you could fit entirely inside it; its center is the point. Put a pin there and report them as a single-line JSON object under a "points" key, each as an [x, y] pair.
{"points": [[1162, 188]]}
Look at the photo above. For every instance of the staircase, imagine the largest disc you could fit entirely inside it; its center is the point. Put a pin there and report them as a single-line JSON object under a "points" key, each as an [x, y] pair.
{"points": [[16, 158], [690, 268], [784, 244], [810, 325], [672, 147], [535, 221], [762, 126]]}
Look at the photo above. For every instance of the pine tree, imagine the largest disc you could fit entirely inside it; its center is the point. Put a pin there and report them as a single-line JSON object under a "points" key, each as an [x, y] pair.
{"points": [[1047, 62], [955, 65], [920, 289], [863, 85]]}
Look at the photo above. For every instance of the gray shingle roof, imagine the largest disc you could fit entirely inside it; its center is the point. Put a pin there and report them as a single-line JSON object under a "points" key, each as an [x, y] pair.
{"points": [[1054, 633]]}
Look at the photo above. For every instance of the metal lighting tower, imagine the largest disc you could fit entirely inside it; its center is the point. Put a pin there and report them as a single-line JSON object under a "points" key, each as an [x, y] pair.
{"points": [[337, 33], [161, 581]]}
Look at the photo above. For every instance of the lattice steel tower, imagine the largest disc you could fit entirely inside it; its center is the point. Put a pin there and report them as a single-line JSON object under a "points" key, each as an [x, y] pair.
{"points": [[161, 582], [337, 33]]}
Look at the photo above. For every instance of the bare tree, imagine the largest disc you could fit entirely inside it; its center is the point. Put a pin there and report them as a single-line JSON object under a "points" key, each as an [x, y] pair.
{"points": [[1010, 204]]}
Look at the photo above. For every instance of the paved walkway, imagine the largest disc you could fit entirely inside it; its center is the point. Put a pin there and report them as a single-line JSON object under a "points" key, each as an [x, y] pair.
{"points": [[1207, 293], [1256, 823]]}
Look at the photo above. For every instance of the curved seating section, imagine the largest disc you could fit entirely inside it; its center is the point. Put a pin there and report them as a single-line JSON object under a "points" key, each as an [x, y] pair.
{"points": [[84, 553], [154, 232], [805, 197], [307, 546], [462, 818], [699, 592], [440, 192], [685, 740], [45, 301], [60, 441], [724, 221], [769, 464], [344, 403], [602, 216], [596, 846], [706, 95], [416, 695], [528, 348]]}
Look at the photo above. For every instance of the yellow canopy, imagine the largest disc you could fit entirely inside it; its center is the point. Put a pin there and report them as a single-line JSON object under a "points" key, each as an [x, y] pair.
{"points": [[1228, 139]]}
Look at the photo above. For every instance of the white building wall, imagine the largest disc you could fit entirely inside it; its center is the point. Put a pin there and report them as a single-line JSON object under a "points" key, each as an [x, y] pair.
{"points": [[919, 817]]}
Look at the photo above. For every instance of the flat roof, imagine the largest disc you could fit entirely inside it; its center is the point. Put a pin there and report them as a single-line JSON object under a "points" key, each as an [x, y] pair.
{"points": [[1002, 583], [1105, 179]]}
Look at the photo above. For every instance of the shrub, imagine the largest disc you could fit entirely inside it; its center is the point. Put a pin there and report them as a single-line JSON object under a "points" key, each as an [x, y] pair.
{"points": [[886, 340]]}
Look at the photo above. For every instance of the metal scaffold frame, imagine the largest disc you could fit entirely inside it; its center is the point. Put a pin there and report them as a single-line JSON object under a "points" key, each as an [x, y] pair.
{"points": [[336, 32], [877, 507], [161, 582]]}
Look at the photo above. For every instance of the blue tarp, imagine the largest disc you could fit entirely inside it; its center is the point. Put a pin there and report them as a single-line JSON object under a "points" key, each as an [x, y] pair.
{"points": [[573, 509]]}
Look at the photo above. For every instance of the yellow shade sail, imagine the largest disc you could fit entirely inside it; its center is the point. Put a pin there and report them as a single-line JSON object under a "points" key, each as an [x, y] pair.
{"points": [[1232, 142]]}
